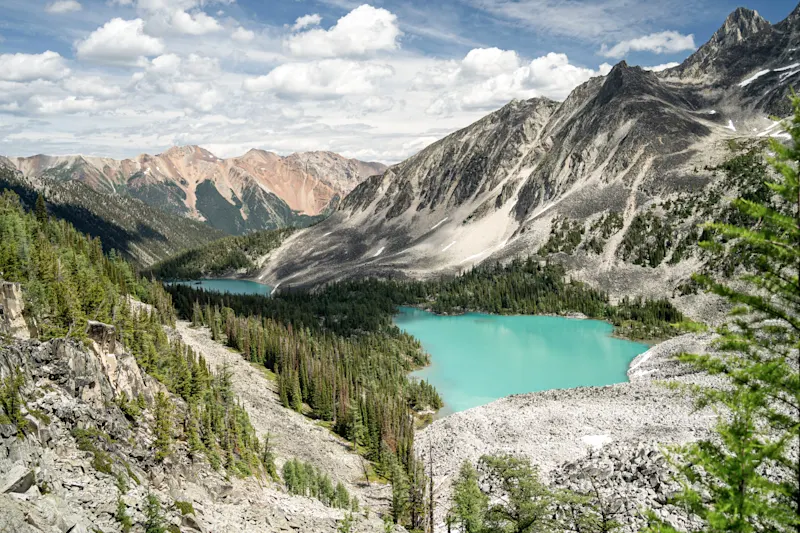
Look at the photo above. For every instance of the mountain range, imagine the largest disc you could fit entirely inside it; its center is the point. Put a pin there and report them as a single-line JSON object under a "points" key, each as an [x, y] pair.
{"points": [[613, 180], [258, 190]]}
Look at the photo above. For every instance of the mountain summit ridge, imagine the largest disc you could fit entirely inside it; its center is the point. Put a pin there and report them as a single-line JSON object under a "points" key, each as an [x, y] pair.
{"points": [[591, 166], [257, 190]]}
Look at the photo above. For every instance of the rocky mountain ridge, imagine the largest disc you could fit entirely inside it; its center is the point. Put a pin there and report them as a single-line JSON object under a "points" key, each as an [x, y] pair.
{"points": [[618, 149], [258, 190], [143, 234]]}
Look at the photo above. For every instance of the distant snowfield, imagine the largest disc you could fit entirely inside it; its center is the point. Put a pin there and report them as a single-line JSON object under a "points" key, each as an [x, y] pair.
{"points": [[448, 246], [379, 252], [731, 126]]}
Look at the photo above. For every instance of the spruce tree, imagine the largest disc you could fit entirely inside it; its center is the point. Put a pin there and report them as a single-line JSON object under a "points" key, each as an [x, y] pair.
{"points": [[400, 489], [41, 209], [154, 521], [749, 475], [469, 503], [163, 426]]}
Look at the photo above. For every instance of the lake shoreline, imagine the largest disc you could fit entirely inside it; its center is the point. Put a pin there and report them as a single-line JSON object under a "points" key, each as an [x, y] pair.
{"points": [[526, 353], [608, 425]]}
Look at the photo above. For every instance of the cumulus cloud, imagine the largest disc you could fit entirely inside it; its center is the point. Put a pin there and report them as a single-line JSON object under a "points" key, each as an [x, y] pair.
{"points": [[665, 42], [189, 78], [321, 80], [487, 62], [28, 67], [306, 21], [664, 66], [364, 30], [194, 23], [119, 41], [242, 35], [63, 6], [479, 83], [94, 86]]}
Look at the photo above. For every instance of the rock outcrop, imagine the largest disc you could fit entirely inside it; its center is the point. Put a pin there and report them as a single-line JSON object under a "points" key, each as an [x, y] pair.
{"points": [[12, 322], [61, 466]]}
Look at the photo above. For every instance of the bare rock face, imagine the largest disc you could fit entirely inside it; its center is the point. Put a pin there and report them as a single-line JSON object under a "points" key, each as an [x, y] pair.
{"points": [[105, 335], [12, 322], [740, 26], [620, 150], [258, 190]]}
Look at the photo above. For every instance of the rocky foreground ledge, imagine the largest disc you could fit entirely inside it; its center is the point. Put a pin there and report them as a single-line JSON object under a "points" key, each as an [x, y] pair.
{"points": [[606, 437]]}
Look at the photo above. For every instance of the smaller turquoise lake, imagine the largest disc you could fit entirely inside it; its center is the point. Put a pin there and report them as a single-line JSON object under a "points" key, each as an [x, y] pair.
{"points": [[231, 286], [478, 358]]}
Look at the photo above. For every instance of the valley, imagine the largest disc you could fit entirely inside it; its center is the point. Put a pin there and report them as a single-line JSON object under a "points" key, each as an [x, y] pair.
{"points": [[574, 315]]}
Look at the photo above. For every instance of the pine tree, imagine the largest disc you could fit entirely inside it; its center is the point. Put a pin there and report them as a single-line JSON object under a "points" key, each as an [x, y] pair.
{"points": [[41, 209], [751, 479], [469, 503], [400, 489], [163, 426], [523, 502]]}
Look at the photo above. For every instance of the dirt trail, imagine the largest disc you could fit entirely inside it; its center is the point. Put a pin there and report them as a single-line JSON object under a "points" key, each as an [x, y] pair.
{"points": [[293, 434]]}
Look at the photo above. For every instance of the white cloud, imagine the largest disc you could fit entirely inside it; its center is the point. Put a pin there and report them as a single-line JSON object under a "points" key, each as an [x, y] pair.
{"points": [[364, 30], [63, 6], [242, 35], [119, 41], [503, 79], [664, 66], [190, 79], [27, 67], [69, 105], [487, 62], [194, 23], [92, 86], [306, 21], [665, 42], [321, 80]]}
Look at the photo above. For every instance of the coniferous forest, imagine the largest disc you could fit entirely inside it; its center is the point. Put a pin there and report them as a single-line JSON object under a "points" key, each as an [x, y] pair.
{"points": [[69, 281]]}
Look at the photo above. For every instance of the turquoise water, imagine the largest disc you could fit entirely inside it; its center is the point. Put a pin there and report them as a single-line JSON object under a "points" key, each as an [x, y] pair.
{"points": [[477, 358], [232, 286]]}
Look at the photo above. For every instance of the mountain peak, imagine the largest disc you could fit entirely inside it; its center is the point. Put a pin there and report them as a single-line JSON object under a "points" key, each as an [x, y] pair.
{"points": [[189, 150], [740, 25]]}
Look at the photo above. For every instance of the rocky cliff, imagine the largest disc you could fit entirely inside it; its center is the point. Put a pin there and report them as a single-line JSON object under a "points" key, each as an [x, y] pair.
{"points": [[75, 459], [259, 190]]}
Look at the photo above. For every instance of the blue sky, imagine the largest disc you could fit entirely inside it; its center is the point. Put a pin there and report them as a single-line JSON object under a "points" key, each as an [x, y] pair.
{"points": [[376, 81]]}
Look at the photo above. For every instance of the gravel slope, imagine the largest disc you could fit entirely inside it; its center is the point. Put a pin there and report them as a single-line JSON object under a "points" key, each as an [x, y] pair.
{"points": [[560, 426], [293, 434]]}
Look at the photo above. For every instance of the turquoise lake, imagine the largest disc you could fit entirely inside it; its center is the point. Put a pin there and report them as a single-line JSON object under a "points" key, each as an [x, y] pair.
{"points": [[478, 358], [232, 286]]}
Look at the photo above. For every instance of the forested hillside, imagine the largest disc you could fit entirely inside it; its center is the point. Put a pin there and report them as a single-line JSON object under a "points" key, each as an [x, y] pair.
{"points": [[68, 281], [220, 257], [140, 233]]}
